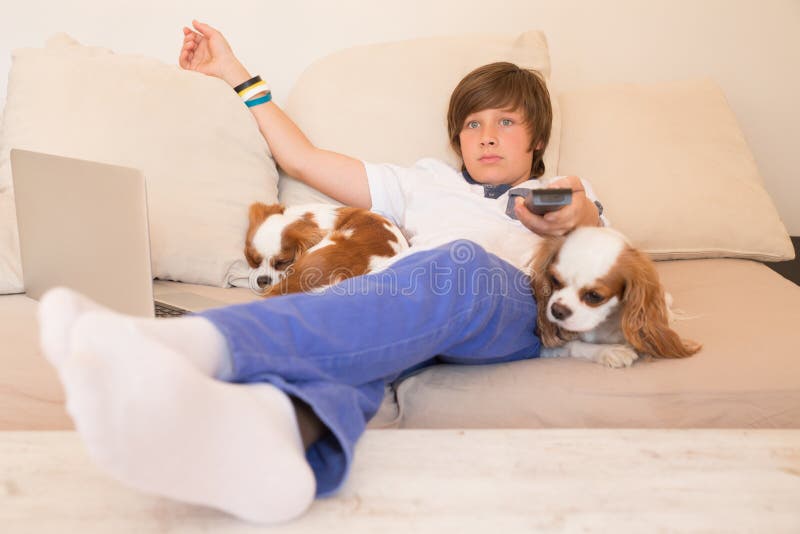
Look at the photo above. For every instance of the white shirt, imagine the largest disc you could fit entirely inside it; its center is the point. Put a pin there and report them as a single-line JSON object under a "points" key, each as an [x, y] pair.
{"points": [[433, 204]]}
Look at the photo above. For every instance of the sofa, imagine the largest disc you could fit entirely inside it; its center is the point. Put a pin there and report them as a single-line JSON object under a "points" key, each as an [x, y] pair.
{"points": [[668, 160]]}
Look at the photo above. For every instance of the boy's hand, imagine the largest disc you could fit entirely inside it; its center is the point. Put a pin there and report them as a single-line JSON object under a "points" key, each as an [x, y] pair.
{"points": [[207, 51], [344, 178], [580, 212]]}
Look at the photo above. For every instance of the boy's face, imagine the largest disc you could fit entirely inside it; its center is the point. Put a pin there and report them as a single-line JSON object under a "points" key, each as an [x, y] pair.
{"points": [[495, 147]]}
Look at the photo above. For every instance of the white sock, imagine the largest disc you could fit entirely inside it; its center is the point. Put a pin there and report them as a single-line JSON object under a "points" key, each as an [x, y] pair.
{"points": [[196, 338], [154, 421]]}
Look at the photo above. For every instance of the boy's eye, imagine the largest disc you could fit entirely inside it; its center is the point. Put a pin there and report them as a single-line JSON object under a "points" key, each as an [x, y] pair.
{"points": [[506, 122], [472, 124]]}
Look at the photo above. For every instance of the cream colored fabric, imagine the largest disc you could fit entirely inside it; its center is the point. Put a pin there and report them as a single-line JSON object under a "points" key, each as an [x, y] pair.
{"points": [[10, 268], [747, 374], [198, 146], [387, 103], [31, 397], [673, 169]]}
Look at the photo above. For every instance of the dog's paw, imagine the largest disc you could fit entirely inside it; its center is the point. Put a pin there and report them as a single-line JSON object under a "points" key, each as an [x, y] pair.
{"points": [[617, 356]]}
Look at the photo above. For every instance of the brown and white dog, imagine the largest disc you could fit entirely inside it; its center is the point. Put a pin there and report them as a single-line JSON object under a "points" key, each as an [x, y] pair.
{"points": [[311, 246], [601, 299]]}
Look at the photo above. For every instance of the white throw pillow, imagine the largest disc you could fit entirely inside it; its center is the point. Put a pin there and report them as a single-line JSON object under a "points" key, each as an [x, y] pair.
{"points": [[673, 170], [10, 270], [197, 144], [387, 103]]}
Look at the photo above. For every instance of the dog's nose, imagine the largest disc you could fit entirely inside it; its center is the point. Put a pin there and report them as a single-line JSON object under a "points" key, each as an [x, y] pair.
{"points": [[560, 311], [264, 281]]}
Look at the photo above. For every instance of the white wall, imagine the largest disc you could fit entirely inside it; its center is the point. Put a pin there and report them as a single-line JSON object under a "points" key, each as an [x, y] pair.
{"points": [[749, 47]]}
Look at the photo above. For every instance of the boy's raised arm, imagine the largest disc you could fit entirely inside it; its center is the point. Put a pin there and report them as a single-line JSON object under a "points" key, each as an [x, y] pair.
{"points": [[338, 176]]}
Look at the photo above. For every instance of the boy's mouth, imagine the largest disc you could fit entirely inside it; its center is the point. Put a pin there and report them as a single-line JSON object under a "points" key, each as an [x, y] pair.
{"points": [[489, 158]]}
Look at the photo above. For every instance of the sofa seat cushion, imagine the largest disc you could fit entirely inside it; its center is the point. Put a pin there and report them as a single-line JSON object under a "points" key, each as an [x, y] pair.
{"points": [[31, 397], [747, 374]]}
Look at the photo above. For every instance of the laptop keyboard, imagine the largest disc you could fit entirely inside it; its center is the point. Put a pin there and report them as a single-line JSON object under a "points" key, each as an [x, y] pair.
{"points": [[165, 310]]}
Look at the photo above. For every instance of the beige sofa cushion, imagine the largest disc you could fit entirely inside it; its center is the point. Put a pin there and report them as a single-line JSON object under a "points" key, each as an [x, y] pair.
{"points": [[10, 268], [673, 170], [749, 380], [197, 144], [387, 103], [31, 397], [747, 374]]}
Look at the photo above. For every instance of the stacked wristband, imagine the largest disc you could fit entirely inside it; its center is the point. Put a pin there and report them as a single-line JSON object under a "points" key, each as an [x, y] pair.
{"points": [[251, 88]]}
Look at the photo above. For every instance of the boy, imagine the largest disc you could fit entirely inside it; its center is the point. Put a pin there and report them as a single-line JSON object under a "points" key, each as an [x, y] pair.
{"points": [[255, 409]]}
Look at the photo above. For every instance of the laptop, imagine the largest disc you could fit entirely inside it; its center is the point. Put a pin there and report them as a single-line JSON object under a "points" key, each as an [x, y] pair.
{"points": [[83, 225]]}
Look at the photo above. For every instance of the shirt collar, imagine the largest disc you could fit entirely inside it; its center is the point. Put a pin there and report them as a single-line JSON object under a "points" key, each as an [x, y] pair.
{"points": [[489, 190]]}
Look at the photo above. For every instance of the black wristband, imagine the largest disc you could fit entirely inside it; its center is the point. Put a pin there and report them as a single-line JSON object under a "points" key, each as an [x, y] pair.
{"points": [[252, 81]]}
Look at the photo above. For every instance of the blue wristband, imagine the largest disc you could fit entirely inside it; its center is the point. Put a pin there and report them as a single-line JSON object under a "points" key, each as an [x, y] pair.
{"points": [[260, 100]]}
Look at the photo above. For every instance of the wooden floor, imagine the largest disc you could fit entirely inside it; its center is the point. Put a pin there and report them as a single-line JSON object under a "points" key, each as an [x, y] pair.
{"points": [[495, 481]]}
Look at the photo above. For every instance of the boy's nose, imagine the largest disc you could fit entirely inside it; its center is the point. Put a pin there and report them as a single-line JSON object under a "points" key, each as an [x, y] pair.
{"points": [[488, 138], [488, 135]]}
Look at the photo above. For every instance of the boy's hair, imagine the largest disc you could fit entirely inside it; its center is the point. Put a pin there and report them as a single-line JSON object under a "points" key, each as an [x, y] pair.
{"points": [[504, 86]]}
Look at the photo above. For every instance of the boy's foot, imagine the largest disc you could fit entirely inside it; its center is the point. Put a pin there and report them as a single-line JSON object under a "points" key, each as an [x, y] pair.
{"points": [[196, 338], [155, 422], [58, 310]]}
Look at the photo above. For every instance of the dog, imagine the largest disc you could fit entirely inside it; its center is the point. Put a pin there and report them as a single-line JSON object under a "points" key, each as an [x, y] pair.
{"points": [[600, 299], [311, 246]]}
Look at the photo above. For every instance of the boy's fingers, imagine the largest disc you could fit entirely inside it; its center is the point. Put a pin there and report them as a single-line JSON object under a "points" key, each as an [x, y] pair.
{"points": [[569, 182], [185, 58], [526, 217], [546, 225], [205, 29], [518, 202]]}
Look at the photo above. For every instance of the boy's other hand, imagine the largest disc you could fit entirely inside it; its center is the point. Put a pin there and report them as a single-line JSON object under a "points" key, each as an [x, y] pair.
{"points": [[206, 50], [580, 212]]}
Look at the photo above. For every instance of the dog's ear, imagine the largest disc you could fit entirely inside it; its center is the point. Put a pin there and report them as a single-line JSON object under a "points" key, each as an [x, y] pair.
{"points": [[645, 318], [258, 214], [300, 236], [543, 289]]}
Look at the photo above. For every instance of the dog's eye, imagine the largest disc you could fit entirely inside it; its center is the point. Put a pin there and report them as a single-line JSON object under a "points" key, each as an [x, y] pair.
{"points": [[554, 282], [593, 297], [282, 264]]}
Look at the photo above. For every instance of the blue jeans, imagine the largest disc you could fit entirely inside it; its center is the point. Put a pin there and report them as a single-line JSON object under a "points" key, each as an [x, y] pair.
{"points": [[335, 350]]}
